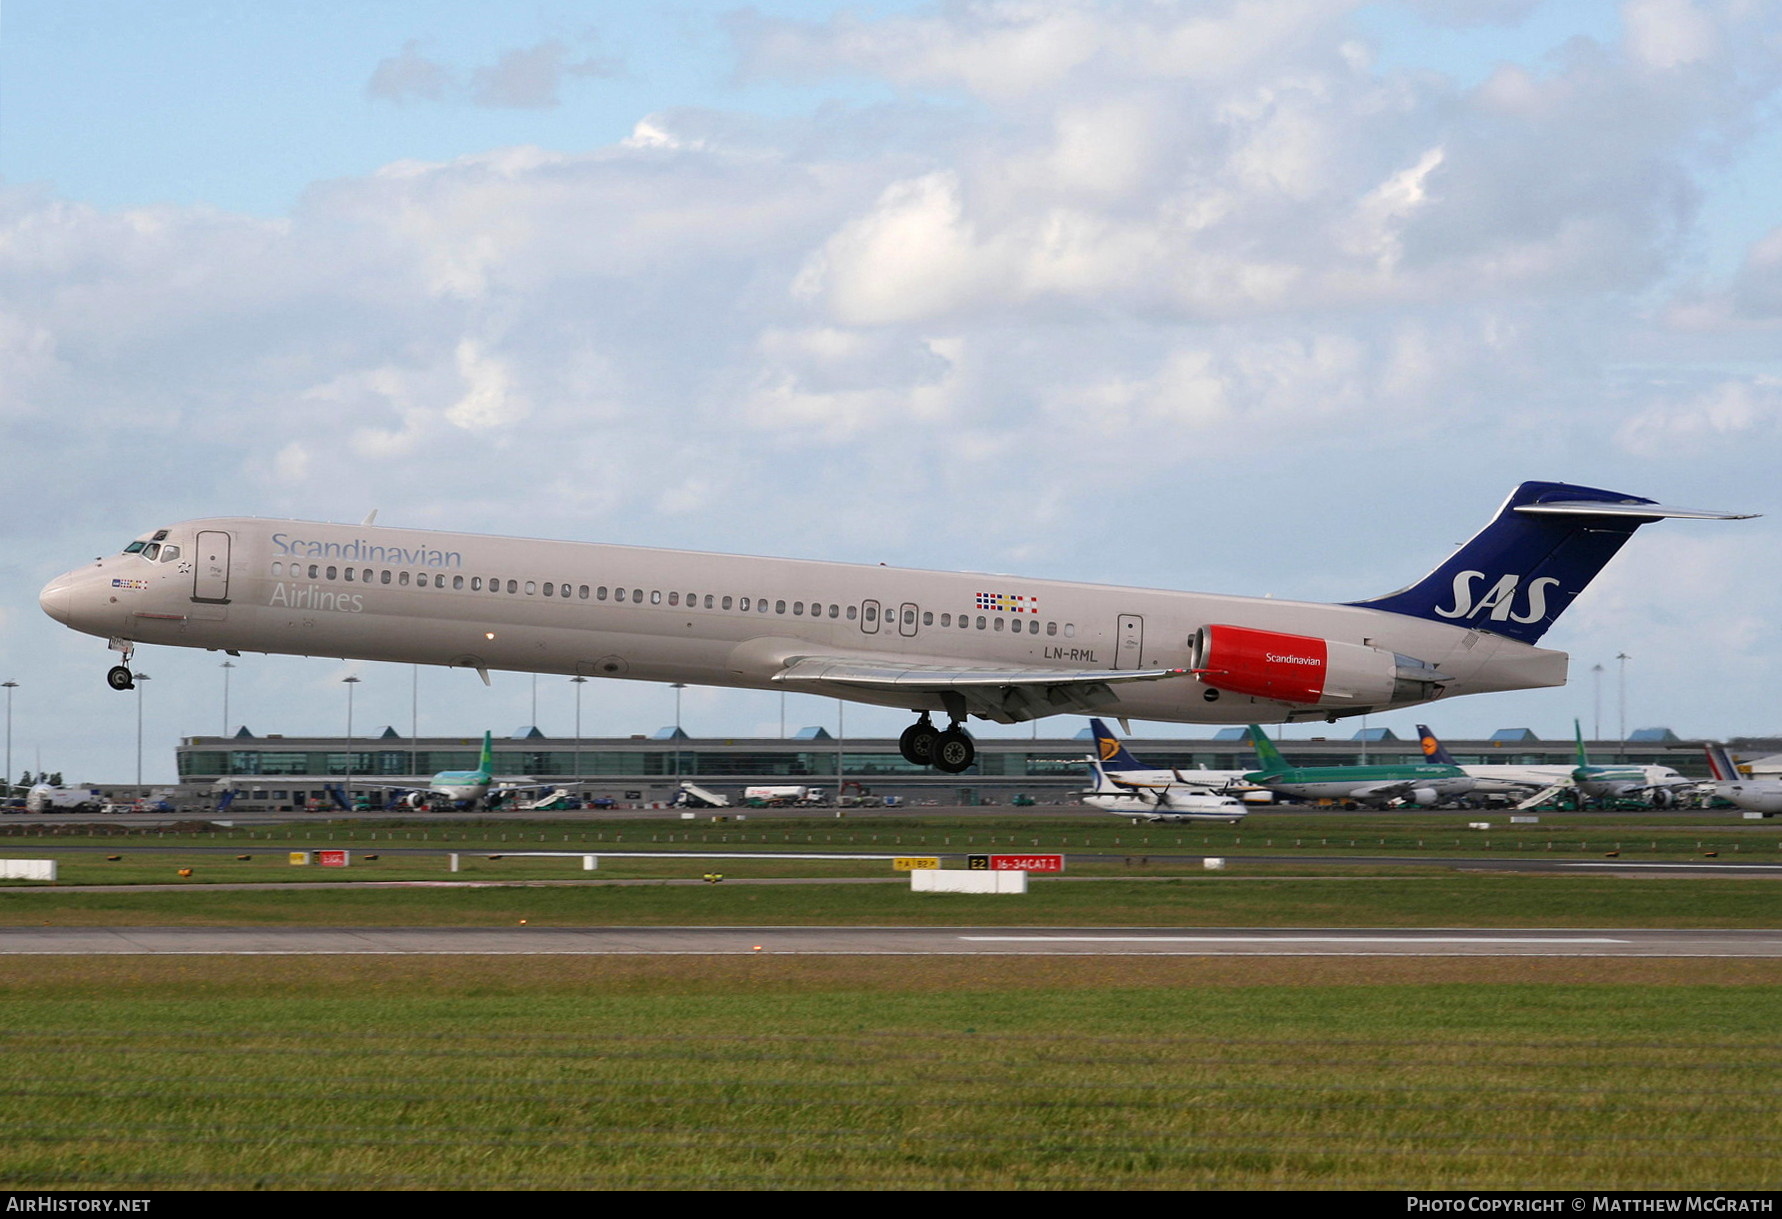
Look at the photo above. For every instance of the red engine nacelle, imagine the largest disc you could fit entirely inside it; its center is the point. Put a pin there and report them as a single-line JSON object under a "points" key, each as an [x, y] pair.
{"points": [[1308, 670]]}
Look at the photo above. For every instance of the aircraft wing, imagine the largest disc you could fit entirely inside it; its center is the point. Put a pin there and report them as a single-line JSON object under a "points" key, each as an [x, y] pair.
{"points": [[1010, 695]]}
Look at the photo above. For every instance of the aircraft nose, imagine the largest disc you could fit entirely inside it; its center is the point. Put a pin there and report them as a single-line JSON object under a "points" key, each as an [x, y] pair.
{"points": [[55, 599]]}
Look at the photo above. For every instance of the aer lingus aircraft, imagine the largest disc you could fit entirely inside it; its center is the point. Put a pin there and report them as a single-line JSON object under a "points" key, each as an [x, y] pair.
{"points": [[462, 788], [1001, 648], [1425, 783]]}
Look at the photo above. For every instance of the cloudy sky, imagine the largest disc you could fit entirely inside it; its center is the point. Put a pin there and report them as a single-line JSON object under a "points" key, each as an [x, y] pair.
{"points": [[1256, 297]]}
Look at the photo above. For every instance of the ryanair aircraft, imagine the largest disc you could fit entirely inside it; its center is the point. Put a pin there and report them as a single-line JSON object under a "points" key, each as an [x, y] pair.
{"points": [[1000, 648]]}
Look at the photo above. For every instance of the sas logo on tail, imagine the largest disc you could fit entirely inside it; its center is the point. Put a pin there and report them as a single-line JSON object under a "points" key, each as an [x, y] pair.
{"points": [[1500, 599]]}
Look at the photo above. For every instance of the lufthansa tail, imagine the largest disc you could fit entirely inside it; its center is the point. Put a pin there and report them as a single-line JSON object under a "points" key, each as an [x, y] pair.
{"points": [[1518, 574], [1433, 749]]}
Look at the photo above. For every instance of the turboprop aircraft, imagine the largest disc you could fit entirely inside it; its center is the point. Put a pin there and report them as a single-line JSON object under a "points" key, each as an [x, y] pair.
{"points": [[1000, 648], [1123, 785]]}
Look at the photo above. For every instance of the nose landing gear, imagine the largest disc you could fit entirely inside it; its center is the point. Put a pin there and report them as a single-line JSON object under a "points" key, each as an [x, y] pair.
{"points": [[950, 750], [120, 677]]}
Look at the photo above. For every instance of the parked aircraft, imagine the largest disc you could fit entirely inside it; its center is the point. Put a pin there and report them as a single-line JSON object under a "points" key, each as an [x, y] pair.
{"points": [[1412, 782], [1121, 767], [1659, 786], [1124, 786], [1000, 648], [463, 788], [1495, 778], [1739, 790]]}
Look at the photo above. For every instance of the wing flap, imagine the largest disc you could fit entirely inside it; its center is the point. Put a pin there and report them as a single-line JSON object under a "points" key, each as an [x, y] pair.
{"points": [[1008, 695]]}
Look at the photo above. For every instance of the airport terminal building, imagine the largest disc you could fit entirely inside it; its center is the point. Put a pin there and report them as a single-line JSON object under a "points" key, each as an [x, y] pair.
{"points": [[275, 771]]}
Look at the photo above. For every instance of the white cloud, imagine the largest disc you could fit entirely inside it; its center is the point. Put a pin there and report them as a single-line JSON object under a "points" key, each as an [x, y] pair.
{"points": [[520, 78], [1727, 418]]}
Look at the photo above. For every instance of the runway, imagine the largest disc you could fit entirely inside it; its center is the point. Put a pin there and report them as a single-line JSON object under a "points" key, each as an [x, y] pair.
{"points": [[884, 941]]}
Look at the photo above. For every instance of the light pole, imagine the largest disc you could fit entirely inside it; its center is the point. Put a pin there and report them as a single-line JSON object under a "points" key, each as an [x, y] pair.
{"points": [[578, 682], [139, 678], [226, 666], [1596, 727], [10, 686], [1623, 657], [349, 681], [414, 719], [678, 687]]}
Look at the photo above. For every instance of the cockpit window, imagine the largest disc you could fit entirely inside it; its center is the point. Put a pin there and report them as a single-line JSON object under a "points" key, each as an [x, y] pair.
{"points": [[152, 550], [160, 536], [135, 547], [169, 553]]}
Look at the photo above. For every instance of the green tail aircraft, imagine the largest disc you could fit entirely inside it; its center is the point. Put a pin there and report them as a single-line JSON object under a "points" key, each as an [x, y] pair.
{"points": [[1424, 783]]}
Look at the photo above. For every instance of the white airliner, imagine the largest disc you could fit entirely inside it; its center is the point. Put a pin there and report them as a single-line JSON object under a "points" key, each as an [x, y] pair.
{"points": [[1740, 790], [467, 789], [1125, 786], [1001, 648]]}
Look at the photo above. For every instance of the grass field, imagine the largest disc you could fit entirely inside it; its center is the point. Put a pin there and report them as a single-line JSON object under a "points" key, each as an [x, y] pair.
{"points": [[890, 1073], [1219, 900], [507, 1073]]}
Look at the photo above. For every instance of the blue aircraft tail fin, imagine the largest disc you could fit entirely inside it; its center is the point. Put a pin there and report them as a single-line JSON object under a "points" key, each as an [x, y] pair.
{"points": [[1433, 749], [1113, 754], [1519, 573]]}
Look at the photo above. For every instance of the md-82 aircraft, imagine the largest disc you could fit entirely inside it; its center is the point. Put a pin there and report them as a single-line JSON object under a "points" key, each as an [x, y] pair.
{"points": [[1000, 648]]}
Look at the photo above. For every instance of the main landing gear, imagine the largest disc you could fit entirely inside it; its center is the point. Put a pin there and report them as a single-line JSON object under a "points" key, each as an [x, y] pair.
{"points": [[949, 750]]}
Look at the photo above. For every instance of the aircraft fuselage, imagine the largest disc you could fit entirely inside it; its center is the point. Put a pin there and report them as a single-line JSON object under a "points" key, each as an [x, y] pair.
{"points": [[416, 596]]}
